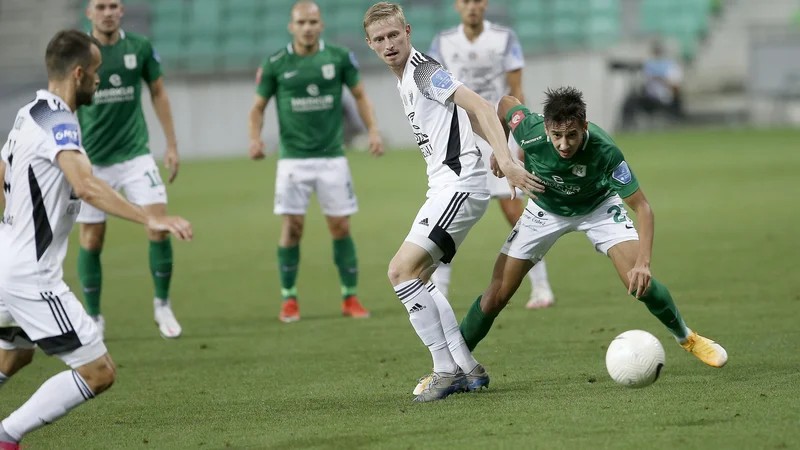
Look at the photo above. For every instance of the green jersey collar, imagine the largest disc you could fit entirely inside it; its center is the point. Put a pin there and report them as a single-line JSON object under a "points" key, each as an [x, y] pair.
{"points": [[290, 46]]}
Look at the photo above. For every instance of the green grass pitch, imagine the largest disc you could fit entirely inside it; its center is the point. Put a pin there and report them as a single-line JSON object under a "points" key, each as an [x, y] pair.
{"points": [[726, 206]]}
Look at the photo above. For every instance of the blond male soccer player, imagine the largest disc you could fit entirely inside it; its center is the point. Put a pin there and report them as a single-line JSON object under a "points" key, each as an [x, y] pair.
{"points": [[438, 108]]}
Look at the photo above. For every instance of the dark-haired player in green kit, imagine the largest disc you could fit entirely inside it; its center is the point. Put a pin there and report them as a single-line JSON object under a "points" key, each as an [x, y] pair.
{"points": [[588, 184], [306, 78], [117, 143]]}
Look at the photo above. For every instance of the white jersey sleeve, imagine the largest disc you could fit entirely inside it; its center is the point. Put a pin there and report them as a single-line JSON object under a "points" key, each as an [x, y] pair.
{"points": [[514, 60], [434, 82], [435, 50], [60, 127]]}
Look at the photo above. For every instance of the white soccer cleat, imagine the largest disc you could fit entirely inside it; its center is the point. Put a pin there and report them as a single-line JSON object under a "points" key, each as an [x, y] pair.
{"points": [[168, 325], [541, 297], [100, 323]]}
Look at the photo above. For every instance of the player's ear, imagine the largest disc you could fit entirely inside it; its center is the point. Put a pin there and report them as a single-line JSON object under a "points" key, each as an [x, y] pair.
{"points": [[408, 30], [586, 126]]}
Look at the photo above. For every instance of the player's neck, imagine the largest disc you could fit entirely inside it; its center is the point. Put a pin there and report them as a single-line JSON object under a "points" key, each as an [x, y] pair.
{"points": [[473, 31], [64, 90], [106, 38], [400, 68], [302, 50]]}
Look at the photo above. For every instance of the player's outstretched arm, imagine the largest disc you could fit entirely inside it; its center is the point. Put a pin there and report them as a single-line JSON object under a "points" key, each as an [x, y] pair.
{"points": [[492, 129], [160, 99], [87, 187], [640, 275], [256, 125], [367, 113]]}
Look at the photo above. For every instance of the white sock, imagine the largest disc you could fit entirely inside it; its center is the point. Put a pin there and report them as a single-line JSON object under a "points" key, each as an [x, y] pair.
{"points": [[53, 400], [424, 317], [441, 278], [455, 341], [538, 275], [3, 379]]}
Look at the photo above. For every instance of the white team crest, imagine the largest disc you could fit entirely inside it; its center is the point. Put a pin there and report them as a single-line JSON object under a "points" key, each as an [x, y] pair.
{"points": [[579, 170], [130, 61], [328, 71]]}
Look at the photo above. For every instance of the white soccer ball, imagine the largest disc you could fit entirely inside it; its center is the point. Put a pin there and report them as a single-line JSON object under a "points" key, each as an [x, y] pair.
{"points": [[635, 359]]}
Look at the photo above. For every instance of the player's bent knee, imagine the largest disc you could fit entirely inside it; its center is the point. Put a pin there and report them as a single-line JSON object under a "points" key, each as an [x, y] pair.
{"points": [[99, 374], [92, 235], [339, 227]]}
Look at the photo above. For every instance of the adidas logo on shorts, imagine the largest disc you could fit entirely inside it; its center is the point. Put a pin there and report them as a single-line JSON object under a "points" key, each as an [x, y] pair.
{"points": [[416, 308], [424, 222]]}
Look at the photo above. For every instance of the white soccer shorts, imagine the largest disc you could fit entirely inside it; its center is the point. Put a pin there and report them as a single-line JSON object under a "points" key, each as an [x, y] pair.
{"points": [[54, 321], [137, 178], [298, 178], [444, 221], [537, 230], [498, 187]]}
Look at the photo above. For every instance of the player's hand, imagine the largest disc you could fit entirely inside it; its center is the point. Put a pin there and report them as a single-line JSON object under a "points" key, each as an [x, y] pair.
{"points": [[172, 161], [517, 176], [640, 279], [375, 143], [257, 149], [178, 226], [493, 164]]}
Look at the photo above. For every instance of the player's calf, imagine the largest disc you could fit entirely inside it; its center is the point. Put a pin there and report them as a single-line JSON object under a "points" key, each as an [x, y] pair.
{"points": [[12, 361]]}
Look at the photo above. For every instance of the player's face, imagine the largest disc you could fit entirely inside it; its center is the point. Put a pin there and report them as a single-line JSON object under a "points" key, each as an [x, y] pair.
{"points": [[105, 15], [472, 11], [306, 25], [391, 41], [88, 79], [567, 138]]}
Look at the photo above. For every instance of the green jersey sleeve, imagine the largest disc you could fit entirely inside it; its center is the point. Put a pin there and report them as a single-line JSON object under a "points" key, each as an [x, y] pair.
{"points": [[620, 176], [350, 73], [266, 84], [152, 64], [521, 121]]}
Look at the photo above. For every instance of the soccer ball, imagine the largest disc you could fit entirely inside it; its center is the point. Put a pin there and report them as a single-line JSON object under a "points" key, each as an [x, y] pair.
{"points": [[635, 359]]}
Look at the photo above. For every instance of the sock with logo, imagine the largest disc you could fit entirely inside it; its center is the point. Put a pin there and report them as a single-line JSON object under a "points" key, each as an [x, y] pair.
{"points": [[52, 401], [476, 325], [660, 304], [288, 262], [90, 274], [424, 317], [344, 255], [441, 278], [161, 267], [455, 341]]}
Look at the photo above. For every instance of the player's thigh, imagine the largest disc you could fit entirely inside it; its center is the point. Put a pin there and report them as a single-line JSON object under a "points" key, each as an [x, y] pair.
{"points": [[335, 190], [57, 323], [142, 183], [295, 180], [443, 222], [608, 225], [535, 233], [111, 175]]}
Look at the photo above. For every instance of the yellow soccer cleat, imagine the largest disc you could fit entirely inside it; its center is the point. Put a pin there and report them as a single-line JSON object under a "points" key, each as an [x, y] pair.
{"points": [[706, 350]]}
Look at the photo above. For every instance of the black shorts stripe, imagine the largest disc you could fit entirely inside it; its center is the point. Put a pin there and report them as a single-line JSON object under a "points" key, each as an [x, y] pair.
{"points": [[55, 345], [453, 156], [56, 314], [60, 306], [455, 210], [8, 334], [43, 234], [445, 242]]}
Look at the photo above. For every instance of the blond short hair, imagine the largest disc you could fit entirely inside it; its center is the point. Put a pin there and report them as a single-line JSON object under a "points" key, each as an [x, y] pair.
{"points": [[383, 11]]}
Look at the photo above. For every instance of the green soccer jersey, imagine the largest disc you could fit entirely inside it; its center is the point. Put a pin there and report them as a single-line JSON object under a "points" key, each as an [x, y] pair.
{"points": [[113, 126], [574, 186], [308, 91]]}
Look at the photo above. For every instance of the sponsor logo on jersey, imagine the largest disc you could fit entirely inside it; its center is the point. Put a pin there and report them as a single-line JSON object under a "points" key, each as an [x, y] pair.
{"points": [[622, 173], [66, 134], [8, 220], [328, 71], [130, 61], [313, 103], [558, 179], [441, 79], [531, 141], [313, 90], [115, 95], [115, 80], [423, 140], [579, 170]]}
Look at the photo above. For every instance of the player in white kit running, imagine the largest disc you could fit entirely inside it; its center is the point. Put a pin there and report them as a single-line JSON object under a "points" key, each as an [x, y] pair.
{"points": [[46, 174], [488, 59], [438, 107]]}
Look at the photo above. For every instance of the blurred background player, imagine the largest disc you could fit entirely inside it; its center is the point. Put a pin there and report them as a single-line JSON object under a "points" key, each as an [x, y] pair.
{"points": [[306, 78], [116, 140], [488, 59]]}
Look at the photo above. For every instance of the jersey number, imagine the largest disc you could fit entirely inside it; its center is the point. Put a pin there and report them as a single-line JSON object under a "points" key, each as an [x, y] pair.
{"points": [[617, 210], [154, 177]]}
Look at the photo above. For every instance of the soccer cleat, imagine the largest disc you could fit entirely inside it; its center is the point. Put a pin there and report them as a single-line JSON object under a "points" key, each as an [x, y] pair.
{"points": [[168, 325], [705, 350], [100, 322], [477, 379], [541, 297], [422, 384], [441, 385], [352, 308], [290, 311]]}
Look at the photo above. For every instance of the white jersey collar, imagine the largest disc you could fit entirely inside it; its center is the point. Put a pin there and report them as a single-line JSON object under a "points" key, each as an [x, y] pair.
{"points": [[47, 95]]}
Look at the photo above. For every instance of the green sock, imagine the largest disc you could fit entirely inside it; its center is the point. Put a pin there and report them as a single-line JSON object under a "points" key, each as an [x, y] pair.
{"points": [[90, 272], [288, 262], [659, 302], [476, 325], [161, 266], [344, 255]]}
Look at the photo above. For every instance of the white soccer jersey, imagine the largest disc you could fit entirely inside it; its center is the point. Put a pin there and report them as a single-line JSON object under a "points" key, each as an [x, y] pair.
{"points": [[482, 64], [442, 129], [41, 206]]}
